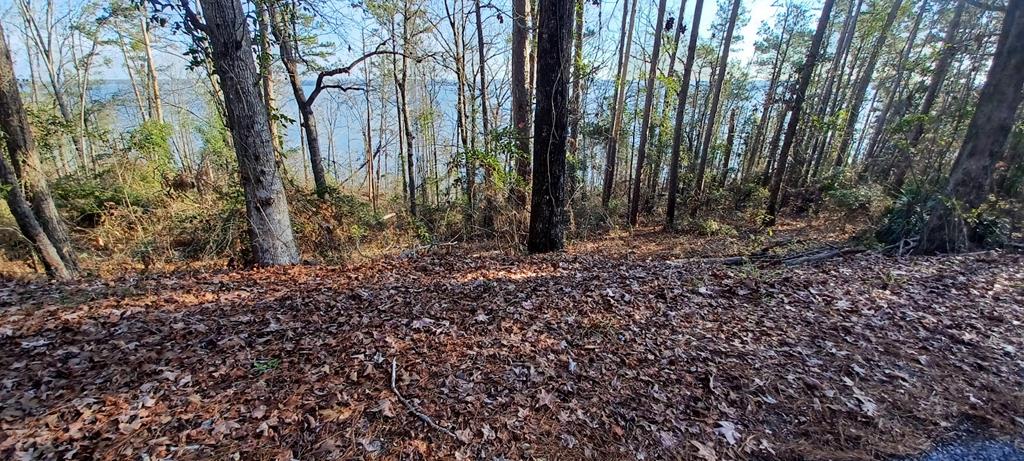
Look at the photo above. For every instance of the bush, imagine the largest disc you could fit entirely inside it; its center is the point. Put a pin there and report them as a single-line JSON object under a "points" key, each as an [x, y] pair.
{"points": [[84, 197], [868, 200], [906, 216]]}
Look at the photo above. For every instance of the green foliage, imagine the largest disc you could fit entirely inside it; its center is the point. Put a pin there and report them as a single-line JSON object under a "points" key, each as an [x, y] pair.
{"points": [[991, 223], [867, 199], [48, 128], [265, 365], [713, 228], [152, 141], [85, 196], [906, 217]]}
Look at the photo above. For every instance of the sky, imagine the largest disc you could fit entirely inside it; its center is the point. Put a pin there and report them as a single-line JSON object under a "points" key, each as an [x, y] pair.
{"points": [[609, 14]]}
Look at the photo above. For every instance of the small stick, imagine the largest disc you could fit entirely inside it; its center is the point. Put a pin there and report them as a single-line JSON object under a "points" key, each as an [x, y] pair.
{"points": [[412, 408]]}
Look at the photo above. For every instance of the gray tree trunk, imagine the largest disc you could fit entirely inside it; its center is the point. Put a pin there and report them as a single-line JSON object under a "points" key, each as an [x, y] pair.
{"points": [[26, 163], [716, 95], [860, 89], [799, 95], [645, 124], [677, 132], [521, 97], [270, 228]]}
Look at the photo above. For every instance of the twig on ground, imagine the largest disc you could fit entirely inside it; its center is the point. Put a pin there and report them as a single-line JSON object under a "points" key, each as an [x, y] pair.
{"points": [[412, 408]]}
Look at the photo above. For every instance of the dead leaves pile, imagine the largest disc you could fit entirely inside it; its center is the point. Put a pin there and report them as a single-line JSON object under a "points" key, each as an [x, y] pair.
{"points": [[558, 357]]}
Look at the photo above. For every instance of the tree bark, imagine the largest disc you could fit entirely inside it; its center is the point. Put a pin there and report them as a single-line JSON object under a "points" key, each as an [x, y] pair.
{"points": [[621, 88], [281, 21], [521, 97], [577, 101], [970, 180], [29, 226], [554, 38], [154, 83], [677, 132], [945, 59], [645, 124], [27, 165], [263, 21], [799, 95], [716, 95], [727, 156], [270, 229], [860, 89]]}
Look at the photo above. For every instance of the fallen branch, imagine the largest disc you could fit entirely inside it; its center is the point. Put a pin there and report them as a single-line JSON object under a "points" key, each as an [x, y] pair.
{"points": [[412, 408], [821, 256]]}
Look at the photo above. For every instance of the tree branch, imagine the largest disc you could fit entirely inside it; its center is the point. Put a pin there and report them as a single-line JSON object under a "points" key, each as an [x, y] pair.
{"points": [[191, 17], [321, 84]]}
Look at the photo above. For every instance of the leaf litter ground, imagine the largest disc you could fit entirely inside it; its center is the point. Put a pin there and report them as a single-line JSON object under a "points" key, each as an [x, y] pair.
{"points": [[617, 349]]}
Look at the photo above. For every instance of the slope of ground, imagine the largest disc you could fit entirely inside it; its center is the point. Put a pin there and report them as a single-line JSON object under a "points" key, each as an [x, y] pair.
{"points": [[627, 353]]}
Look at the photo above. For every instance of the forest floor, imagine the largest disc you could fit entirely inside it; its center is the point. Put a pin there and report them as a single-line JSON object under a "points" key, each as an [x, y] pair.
{"points": [[629, 347]]}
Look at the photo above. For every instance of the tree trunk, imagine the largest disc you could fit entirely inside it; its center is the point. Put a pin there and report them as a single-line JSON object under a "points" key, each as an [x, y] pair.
{"points": [[53, 71], [945, 59], [621, 88], [521, 97], [404, 95], [645, 124], [554, 39], [727, 156], [716, 94], [970, 180], [27, 170], [895, 89], [677, 132], [270, 229], [266, 66], [799, 94], [769, 98], [281, 21], [577, 101], [154, 83], [832, 82], [860, 89], [29, 226]]}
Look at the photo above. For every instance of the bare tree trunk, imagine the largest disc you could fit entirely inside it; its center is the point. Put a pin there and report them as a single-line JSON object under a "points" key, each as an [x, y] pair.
{"points": [[44, 43], [28, 225], [833, 82], [621, 88], [403, 89], [281, 21], [154, 82], [521, 97], [860, 89], [895, 89], [970, 181], [266, 65], [946, 56], [577, 101], [754, 152], [547, 213], [716, 94], [727, 157], [28, 170], [677, 132], [266, 206], [645, 124], [799, 94]]}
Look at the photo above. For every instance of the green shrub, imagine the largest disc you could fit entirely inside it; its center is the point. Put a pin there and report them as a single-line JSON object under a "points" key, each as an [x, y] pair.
{"points": [[906, 216]]}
